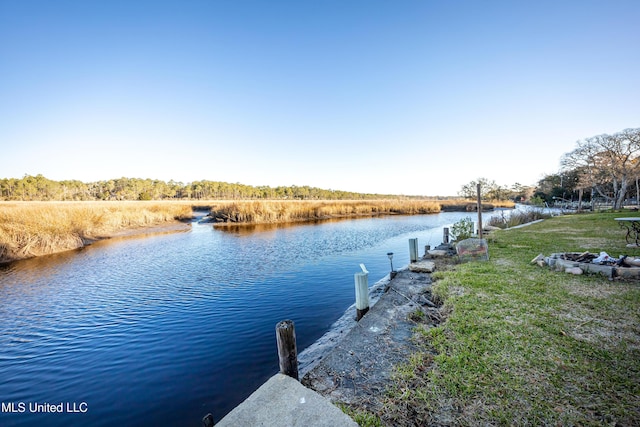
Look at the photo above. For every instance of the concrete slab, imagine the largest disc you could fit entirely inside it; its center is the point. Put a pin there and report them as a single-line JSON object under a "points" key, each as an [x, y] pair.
{"points": [[360, 366], [422, 266], [357, 365], [284, 402], [434, 253]]}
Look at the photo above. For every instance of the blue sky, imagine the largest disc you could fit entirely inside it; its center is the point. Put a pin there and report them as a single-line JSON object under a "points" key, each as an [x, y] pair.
{"points": [[399, 97]]}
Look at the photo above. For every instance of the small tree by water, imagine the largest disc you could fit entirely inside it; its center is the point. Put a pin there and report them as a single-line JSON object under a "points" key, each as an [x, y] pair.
{"points": [[462, 229]]}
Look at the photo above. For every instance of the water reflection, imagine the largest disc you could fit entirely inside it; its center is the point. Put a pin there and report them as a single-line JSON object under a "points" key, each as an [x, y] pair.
{"points": [[163, 329], [249, 229]]}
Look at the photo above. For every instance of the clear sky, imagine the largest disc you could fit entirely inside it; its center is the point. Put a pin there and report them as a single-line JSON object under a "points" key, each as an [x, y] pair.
{"points": [[399, 97]]}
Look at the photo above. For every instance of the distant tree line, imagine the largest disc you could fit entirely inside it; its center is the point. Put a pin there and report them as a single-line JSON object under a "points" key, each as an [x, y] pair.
{"points": [[32, 188]]}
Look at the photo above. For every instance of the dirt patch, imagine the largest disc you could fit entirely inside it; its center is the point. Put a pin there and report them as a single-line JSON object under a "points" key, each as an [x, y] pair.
{"points": [[604, 327], [173, 227], [502, 262], [602, 290]]}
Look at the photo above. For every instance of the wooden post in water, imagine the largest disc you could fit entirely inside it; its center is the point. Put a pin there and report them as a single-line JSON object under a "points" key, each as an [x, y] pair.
{"points": [[287, 351], [413, 250], [362, 294], [479, 213], [207, 421], [445, 235]]}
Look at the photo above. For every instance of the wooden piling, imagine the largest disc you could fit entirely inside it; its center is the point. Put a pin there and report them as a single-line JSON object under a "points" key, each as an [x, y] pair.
{"points": [[445, 235], [207, 421], [287, 351]]}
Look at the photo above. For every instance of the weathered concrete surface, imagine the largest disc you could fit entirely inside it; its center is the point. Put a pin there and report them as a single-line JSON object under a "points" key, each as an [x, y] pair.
{"points": [[434, 253], [422, 267], [359, 367], [312, 355], [355, 369], [284, 402]]}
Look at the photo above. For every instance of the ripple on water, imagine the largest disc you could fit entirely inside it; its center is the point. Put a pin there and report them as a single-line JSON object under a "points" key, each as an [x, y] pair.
{"points": [[163, 329]]}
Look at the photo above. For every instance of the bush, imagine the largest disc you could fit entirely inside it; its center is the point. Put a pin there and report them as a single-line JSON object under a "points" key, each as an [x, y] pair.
{"points": [[518, 218], [462, 229]]}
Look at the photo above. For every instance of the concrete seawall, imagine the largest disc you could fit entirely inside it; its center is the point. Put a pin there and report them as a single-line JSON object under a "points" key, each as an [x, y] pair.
{"points": [[351, 362]]}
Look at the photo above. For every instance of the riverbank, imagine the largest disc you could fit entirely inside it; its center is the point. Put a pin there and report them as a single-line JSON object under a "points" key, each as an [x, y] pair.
{"points": [[358, 369], [517, 344], [279, 211], [352, 362], [30, 229]]}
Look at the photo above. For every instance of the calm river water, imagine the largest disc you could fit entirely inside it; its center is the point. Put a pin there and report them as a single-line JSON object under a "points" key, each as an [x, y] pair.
{"points": [[163, 329]]}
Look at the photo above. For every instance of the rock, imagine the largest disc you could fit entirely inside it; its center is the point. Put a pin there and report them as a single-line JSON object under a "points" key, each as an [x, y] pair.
{"points": [[422, 267], [573, 270], [447, 247], [541, 263], [634, 262], [435, 253], [472, 250], [628, 272]]}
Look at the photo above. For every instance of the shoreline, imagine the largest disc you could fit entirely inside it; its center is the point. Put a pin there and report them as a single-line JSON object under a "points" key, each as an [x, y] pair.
{"points": [[176, 226], [309, 358], [257, 212], [34, 229], [352, 364], [360, 365]]}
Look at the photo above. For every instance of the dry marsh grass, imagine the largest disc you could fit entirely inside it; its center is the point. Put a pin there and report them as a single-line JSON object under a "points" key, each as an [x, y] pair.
{"points": [[38, 228], [273, 211], [29, 229]]}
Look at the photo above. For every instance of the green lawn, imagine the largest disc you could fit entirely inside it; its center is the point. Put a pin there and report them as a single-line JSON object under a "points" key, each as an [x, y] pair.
{"points": [[524, 345]]}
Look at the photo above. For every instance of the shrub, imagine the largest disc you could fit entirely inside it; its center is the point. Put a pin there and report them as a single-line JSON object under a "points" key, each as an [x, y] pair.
{"points": [[518, 218], [462, 229]]}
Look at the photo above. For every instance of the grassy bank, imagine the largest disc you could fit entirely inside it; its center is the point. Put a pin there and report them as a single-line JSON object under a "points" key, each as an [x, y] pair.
{"points": [[38, 228], [273, 211], [524, 345]]}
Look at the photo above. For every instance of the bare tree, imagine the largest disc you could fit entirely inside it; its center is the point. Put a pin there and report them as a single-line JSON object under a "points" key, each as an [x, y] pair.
{"points": [[470, 191], [608, 163]]}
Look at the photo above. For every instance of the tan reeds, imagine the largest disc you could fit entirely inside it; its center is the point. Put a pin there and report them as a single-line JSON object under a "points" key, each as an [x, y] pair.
{"points": [[272, 211], [37, 228]]}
